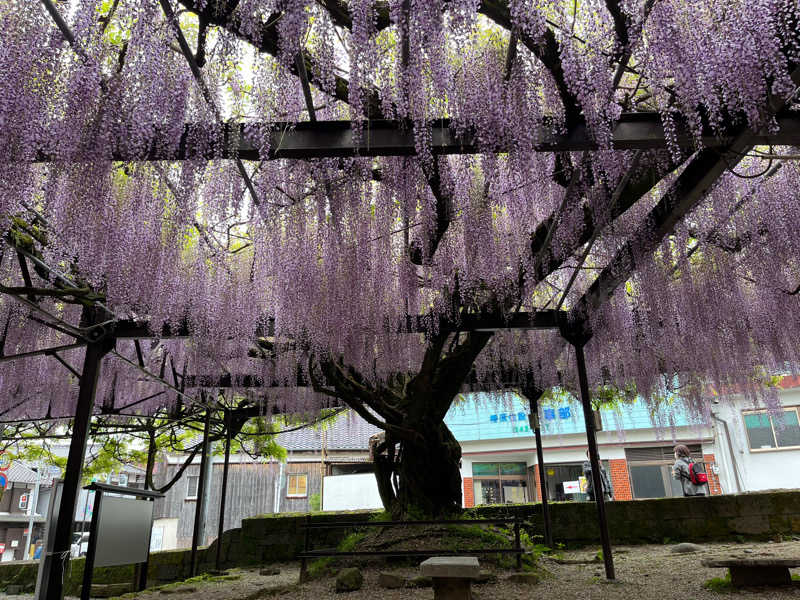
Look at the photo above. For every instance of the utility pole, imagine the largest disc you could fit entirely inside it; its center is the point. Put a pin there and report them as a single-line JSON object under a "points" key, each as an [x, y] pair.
{"points": [[32, 502]]}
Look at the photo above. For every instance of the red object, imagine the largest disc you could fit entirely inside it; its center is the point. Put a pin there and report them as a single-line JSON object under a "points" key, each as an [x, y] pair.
{"points": [[697, 477], [2, 548]]}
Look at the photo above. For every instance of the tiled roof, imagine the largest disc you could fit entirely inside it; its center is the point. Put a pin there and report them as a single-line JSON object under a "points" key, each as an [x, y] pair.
{"points": [[18, 472], [347, 432]]}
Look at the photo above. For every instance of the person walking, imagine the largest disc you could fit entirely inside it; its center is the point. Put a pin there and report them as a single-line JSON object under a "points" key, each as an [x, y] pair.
{"points": [[608, 490], [693, 481]]}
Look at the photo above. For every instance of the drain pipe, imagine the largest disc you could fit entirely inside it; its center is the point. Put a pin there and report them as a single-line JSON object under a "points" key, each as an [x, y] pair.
{"points": [[730, 451], [276, 507]]}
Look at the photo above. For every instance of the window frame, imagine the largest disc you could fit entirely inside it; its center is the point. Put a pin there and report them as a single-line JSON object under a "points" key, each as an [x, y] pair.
{"points": [[189, 487], [289, 485], [776, 448]]}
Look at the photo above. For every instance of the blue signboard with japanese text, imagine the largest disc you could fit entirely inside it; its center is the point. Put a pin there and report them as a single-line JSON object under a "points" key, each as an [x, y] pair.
{"points": [[485, 416]]}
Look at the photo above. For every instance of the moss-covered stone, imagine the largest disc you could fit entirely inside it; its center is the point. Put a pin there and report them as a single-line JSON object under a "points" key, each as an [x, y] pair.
{"points": [[349, 580]]}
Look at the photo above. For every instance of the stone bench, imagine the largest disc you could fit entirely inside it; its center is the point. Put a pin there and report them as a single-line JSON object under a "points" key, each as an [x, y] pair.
{"points": [[451, 575], [756, 571]]}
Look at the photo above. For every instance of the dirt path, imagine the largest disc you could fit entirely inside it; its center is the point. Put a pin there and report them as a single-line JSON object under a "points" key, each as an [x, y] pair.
{"points": [[643, 573]]}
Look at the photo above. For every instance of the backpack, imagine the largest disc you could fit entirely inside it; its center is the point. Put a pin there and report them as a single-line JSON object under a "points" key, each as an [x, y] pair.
{"points": [[696, 476]]}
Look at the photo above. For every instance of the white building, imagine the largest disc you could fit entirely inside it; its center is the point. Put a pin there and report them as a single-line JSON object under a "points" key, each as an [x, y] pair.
{"points": [[758, 450], [500, 465]]}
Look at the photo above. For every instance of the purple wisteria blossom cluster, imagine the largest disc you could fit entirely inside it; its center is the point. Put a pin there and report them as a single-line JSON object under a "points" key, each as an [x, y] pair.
{"points": [[328, 256]]}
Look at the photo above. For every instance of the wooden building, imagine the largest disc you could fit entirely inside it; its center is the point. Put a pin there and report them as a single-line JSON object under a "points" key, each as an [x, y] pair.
{"points": [[260, 486]]}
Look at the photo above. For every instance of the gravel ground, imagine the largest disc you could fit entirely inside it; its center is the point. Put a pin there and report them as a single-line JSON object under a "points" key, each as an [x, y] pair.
{"points": [[643, 573]]}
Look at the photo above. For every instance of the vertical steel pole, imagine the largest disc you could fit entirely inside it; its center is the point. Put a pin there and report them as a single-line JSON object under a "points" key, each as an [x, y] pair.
{"points": [[140, 572], [594, 458], [303, 560], [517, 545], [221, 527], [535, 423], [91, 550], [198, 509], [55, 563]]}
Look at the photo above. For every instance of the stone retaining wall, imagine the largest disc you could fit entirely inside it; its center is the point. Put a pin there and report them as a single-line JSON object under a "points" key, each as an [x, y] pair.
{"points": [[275, 538], [755, 516]]}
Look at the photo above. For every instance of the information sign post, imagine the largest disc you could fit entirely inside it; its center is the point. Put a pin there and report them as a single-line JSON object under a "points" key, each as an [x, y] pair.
{"points": [[120, 531]]}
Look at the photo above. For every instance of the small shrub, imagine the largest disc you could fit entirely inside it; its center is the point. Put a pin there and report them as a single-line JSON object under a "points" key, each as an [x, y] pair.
{"points": [[349, 543], [382, 515], [719, 584], [322, 567], [327, 566]]}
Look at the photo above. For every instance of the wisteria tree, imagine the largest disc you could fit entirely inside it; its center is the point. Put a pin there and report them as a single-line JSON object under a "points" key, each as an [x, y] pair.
{"points": [[145, 179]]}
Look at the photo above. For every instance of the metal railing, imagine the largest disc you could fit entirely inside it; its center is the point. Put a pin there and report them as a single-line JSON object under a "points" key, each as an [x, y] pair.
{"points": [[308, 526]]}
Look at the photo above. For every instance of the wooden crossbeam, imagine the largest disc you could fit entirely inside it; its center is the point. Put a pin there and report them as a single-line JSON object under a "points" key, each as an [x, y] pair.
{"points": [[323, 139]]}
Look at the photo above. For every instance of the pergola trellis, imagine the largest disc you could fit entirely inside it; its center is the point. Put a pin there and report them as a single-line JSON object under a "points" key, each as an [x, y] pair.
{"points": [[99, 329]]}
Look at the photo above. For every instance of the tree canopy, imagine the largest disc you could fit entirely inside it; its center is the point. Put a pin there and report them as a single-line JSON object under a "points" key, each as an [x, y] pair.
{"points": [[142, 178]]}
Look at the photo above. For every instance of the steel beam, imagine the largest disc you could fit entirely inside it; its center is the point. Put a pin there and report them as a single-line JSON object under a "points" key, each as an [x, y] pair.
{"points": [[323, 139], [198, 531], [224, 490], [545, 319], [537, 430], [594, 459], [55, 565]]}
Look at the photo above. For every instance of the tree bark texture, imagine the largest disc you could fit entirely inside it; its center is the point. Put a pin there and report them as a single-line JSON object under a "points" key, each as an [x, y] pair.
{"points": [[416, 457]]}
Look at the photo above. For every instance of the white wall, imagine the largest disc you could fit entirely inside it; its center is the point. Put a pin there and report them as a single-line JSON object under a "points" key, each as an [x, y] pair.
{"points": [[759, 470], [165, 531], [351, 492]]}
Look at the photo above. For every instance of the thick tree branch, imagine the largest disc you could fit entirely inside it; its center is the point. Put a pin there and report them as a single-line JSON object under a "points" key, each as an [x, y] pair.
{"points": [[547, 259], [546, 49], [222, 13], [620, 27]]}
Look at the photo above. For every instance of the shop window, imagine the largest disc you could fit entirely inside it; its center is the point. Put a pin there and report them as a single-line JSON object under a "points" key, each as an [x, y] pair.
{"points": [[650, 471], [654, 481], [297, 486], [566, 482], [500, 483], [193, 483], [767, 432]]}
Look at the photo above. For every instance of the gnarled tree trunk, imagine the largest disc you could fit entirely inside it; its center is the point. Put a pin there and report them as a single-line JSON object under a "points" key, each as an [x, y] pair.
{"points": [[428, 475], [416, 458]]}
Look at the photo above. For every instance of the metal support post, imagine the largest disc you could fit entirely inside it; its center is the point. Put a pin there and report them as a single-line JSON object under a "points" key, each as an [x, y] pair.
{"points": [[304, 561], [517, 545], [55, 564], [223, 493], [91, 550], [198, 509], [594, 458], [535, 423]]}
